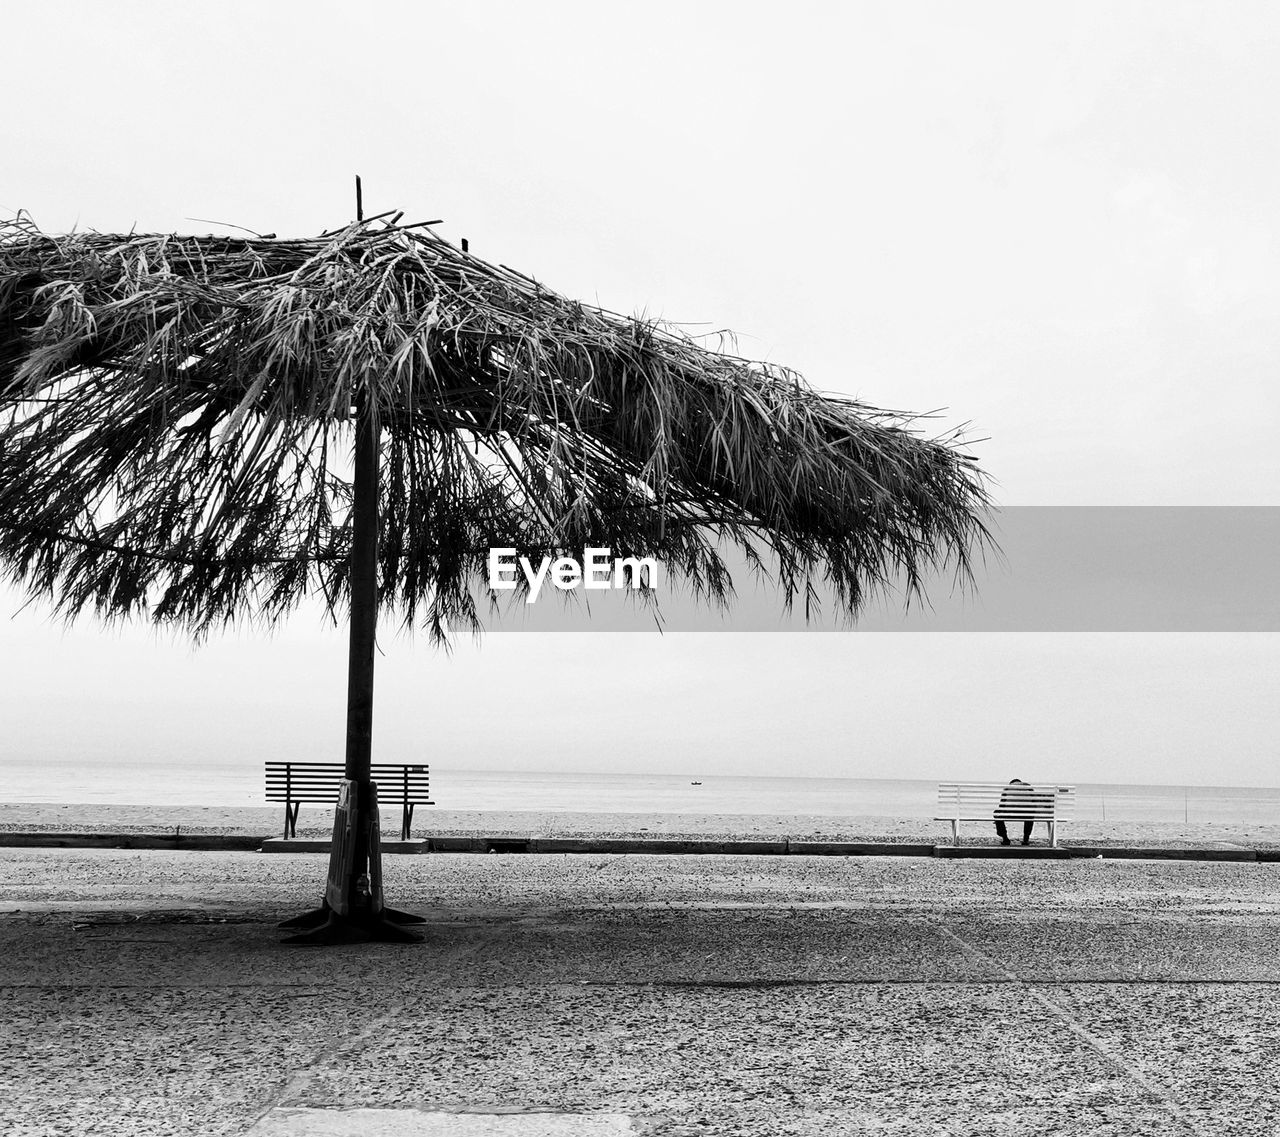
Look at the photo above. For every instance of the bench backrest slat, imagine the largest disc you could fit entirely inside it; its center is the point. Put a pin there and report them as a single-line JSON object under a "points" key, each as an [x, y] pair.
{"points": [[319, 781], [974, 801], [336, 777]]}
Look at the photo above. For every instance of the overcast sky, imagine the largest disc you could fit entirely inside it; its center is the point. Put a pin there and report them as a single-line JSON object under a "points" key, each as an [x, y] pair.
{"points": [[1057, 222]]}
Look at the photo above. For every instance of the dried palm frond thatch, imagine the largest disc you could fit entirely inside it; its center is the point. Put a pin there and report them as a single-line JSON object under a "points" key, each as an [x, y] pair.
{"points": [[176, 419]]}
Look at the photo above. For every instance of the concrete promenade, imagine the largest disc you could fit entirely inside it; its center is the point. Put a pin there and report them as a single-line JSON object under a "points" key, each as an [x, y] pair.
{"points": [[146, 992]]}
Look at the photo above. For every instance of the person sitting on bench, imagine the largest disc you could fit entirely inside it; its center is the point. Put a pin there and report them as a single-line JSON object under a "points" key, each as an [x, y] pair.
{"points": [[1015, 805]]}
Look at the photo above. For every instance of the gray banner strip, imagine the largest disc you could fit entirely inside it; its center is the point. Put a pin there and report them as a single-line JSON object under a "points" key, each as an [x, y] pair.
{"points": [[1058, 569]]}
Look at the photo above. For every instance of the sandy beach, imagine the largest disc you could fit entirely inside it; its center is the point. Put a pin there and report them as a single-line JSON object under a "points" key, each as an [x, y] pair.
{"points": [[267, 821]]}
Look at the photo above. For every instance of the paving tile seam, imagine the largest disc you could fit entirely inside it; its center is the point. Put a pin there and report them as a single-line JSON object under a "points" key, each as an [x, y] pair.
{"points": [[1152, 1087], [1076, 1027], [303, 1077], [755, 984], [15, 911], [642, 984], [311, 987]]}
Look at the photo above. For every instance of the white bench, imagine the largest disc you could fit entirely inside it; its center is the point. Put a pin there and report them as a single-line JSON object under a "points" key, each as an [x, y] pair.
{"points": [[981, 801]]}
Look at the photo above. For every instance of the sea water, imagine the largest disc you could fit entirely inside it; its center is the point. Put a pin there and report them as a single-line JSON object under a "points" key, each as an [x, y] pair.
{"points": [[239, 782]]}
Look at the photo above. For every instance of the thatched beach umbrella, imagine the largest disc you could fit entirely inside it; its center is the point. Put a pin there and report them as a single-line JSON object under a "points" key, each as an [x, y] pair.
{"points": [[195, 429]]}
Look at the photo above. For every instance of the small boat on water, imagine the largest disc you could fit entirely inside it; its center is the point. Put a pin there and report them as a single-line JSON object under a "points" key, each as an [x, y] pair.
{"points": [[695, 783]]}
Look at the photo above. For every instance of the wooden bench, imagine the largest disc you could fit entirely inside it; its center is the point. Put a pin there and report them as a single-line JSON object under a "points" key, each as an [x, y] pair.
{"points": [[296, 782], [982, 801]]}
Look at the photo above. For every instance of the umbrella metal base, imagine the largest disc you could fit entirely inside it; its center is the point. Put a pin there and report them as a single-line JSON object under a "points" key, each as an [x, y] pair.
{"points": [[322, 927], [352, 911]]}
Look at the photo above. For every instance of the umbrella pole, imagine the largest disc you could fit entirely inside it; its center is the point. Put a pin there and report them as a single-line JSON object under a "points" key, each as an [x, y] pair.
{"points": [[364, 600], [353, 910]]}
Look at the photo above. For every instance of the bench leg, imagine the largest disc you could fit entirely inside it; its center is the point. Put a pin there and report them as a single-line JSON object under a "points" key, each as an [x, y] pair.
{"points": [[406, 821], [955, 833], [291, 819]]}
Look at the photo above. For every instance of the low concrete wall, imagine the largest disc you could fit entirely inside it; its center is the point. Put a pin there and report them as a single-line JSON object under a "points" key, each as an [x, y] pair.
{"points": [[857, 849], [204, 842], [638, 846]]}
